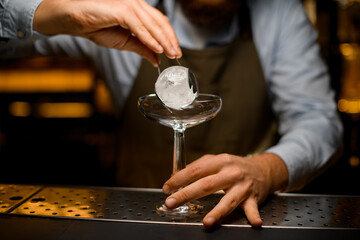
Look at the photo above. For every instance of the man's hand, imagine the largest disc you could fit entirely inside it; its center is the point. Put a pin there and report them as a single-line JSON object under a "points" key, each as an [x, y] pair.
{"points": [[246, 181], [122, 24]]}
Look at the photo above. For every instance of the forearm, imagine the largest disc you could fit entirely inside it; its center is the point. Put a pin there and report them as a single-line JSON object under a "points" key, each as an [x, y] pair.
{"points": [[303, 101], [59, 17]]}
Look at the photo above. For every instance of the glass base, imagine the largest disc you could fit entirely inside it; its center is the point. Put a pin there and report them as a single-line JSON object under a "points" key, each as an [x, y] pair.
{"points": [[191, 209]]}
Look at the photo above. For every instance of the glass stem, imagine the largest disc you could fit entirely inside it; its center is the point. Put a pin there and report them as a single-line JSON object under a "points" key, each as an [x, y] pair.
{"points": [[179, 149]]}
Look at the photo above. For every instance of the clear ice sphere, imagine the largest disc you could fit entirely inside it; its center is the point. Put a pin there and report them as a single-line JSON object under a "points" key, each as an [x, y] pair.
{"points": [[173, 87]]}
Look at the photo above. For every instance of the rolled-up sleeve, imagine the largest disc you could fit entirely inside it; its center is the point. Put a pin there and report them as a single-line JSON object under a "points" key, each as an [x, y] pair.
{"points": [[16, 18]]}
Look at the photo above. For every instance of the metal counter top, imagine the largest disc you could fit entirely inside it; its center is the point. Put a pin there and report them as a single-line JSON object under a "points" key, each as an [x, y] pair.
{"points": [[132, 210]]}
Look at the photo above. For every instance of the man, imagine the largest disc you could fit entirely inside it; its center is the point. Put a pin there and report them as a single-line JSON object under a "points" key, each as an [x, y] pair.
{"points": [[260, 56]]}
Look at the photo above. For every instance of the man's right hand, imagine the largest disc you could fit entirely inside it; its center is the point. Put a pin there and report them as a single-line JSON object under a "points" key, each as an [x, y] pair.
{"points": [[131, 25]]}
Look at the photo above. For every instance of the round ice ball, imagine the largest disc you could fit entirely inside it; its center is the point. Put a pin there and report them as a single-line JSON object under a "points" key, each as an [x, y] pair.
{"points": [[174, 89]]}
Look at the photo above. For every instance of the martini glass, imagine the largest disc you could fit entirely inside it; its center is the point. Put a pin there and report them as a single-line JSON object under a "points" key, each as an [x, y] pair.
{"points": [[204, 108]]}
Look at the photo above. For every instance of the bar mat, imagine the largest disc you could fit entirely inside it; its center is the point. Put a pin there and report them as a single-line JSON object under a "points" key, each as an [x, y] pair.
{"points": [[119, 204], [13, 195]]}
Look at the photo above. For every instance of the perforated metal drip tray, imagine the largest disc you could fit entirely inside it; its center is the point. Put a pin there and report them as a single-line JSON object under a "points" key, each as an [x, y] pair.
{"points": [[119, 204], [13, 195]]}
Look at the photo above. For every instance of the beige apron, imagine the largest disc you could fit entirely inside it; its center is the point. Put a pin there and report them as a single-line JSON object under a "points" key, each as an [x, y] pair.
{"points": [[245, 125]]}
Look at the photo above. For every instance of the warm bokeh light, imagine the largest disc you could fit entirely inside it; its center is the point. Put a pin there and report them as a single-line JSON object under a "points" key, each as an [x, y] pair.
{"points": [[20, 109], [350, 51], [103, 101], [354, 161], [65, 110], [350, 106], [350, 81], [52, 110], [55, 80]]}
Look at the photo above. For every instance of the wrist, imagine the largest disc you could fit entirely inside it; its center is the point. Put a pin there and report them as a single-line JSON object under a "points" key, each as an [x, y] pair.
{"points": [[54, 17], [275, 171]]}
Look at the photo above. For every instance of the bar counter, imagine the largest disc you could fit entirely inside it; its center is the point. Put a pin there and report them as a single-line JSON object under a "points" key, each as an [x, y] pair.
{"points": [[73, 212]]}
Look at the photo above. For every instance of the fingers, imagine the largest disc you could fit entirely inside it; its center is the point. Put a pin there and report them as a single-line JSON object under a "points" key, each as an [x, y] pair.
{"points": [[152, 28], [160, 27], [226, 205], [119, 38], [231, 200], [250, 207], [241, 179], [134, 45], [142, 33], [198, 189], [83, 18], [202, 167]]}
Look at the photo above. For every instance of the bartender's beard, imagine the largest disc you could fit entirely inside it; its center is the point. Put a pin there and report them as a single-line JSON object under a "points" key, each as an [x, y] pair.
{"points": [[210, 14]]}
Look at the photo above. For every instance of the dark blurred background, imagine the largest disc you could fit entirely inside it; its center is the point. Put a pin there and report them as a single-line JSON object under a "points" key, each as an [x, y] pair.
{"points": [[57, 121]]}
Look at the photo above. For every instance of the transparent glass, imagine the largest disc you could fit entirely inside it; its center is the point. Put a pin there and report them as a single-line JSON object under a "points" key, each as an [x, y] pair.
{"points": [[204, 108]]}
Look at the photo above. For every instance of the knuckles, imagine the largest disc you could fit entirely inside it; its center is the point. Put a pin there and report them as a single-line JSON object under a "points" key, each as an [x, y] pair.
{"points": [[194, 171], [208, 185], [207, 156], [237, 174], [234, 203], [226, 158], [182, 196], [233, 170], [165, 19]]}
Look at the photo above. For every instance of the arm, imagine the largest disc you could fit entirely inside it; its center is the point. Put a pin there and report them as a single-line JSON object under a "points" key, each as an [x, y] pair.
{"points": [[123, 25], [17, 15], [301, 95], [303, 101]]}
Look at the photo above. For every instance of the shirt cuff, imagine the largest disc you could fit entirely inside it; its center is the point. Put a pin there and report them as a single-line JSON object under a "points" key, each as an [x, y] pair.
{"points": [[17, 19], [296, 161]]}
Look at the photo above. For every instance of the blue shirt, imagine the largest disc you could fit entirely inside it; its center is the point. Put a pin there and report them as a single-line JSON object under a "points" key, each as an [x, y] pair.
{"points": [[285, 40]]}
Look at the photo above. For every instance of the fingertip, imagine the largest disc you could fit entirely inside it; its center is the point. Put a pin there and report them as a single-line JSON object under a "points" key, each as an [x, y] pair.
{"points": [[171, 53], [251, 210], [166, 189], [257, 222], [153, 63], [159, 49], [209, 222], [171, 56], [179, 53], [171, 203]]}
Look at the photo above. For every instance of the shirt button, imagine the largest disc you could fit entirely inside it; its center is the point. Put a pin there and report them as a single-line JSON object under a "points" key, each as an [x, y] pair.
{"points": [[20, 34]]}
